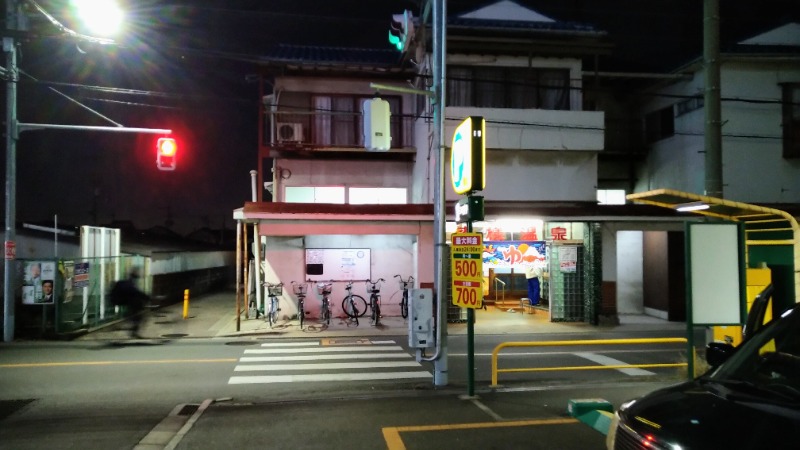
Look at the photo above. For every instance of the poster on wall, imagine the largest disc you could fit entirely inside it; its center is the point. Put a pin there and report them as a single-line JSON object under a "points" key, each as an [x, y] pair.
{"points": [[38, 286], [568, 258], [512, 253], [338, 264]]}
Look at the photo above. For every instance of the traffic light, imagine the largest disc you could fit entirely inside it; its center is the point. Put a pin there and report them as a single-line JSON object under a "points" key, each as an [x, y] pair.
{"points": [[166, 150], [401, 30]]}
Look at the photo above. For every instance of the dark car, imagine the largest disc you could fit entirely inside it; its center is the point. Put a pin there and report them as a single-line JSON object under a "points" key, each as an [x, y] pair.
{"points": [[751, 400]]}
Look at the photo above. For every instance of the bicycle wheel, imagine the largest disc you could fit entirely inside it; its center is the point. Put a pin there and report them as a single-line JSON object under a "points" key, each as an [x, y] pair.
{"points": [[326, 313], [404, 305], [357, 307], [376, 311], [273, 312], [300, 312]]}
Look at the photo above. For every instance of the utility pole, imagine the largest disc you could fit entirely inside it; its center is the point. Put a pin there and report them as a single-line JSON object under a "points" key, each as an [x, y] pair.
{"points": [[14, 22], [440, 377], [712, 99]]}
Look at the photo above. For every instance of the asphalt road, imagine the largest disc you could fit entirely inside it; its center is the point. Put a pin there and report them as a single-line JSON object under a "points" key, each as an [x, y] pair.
{"points": [[299, 393]]}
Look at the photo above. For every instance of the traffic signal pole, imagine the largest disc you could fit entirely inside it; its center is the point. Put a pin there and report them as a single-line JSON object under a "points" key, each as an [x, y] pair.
{"points": [[440, 366]]}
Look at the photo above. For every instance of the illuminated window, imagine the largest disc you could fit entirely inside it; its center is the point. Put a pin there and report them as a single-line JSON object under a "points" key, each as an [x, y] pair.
{"points": [[611, 196], [314, 194], [376, 196]]}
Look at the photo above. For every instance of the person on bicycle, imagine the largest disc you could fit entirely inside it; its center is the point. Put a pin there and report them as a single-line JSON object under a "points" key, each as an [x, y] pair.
{"points": [[126, 293]]}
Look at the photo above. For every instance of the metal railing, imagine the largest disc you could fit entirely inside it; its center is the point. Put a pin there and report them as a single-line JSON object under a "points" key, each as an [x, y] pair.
{"points": [[503, 289], [496, 352]]}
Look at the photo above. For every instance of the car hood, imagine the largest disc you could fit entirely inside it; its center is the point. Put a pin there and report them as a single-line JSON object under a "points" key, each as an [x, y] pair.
{"points": [[700, 414]]}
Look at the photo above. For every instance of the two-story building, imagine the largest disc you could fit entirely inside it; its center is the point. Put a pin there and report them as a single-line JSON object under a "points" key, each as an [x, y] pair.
{"points": [[327, 209]]}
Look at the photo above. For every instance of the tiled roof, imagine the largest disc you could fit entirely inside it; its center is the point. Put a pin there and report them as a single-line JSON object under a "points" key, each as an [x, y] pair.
{"points": [[517, 25], [332, 56]]}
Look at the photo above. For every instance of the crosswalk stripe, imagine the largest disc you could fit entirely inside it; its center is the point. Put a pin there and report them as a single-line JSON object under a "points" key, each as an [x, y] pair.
{"points": [[608, 361], [291, 344], [321, 357], [367, 376], [326, 366], [365, 348]]}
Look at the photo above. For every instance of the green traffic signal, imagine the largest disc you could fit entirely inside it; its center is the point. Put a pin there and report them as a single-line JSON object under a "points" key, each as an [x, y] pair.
{"points": [[395, 40]]}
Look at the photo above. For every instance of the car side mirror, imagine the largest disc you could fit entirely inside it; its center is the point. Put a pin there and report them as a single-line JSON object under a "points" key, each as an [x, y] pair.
{"points": [[718, 352]]}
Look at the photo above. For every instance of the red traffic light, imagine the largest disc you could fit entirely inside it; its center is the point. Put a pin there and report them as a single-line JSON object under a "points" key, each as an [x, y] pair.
{"points": [[166, 150]]}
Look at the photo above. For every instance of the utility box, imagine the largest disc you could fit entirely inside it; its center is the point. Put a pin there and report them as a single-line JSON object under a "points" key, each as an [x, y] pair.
{"points": [[420, 324], [377, 126]]}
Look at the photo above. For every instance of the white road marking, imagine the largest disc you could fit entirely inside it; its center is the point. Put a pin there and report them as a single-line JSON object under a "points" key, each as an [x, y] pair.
{"points": [[320, 357], [607, 361], [325, 366], [355, 376], [365, 348], [291, 344], [358, 360]]}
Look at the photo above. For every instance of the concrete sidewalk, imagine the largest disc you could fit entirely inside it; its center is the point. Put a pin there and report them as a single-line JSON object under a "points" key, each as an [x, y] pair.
{"points": [[214, 316]]}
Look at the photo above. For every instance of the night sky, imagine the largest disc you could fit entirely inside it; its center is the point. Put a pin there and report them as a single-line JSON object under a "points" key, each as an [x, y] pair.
{"points": [[183, 65]]}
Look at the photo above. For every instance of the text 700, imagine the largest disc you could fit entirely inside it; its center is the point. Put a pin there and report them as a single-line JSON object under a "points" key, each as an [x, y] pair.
{"points": [[467, 296]]}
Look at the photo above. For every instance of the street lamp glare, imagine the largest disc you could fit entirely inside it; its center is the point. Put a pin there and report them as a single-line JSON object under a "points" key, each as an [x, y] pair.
{"points": [[102, 17]]}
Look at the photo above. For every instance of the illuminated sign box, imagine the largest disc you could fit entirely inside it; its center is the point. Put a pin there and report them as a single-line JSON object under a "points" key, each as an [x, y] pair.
{"points": [[468, 158]]}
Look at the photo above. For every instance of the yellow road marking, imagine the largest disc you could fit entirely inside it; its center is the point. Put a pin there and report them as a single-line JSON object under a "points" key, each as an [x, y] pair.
{"points": [[394, 442], [111, 363]]}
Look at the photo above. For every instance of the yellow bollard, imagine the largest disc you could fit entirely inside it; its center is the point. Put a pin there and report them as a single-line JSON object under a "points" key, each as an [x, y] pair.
{"points": [[185, 303]]}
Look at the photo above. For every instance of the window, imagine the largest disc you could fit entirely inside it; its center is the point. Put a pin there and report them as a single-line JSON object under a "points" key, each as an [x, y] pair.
{"points": [[355, 195], [508, 87], [338, 120], [611, 196], [791, 120], [659, 124], [376, 196], [314, 194]]}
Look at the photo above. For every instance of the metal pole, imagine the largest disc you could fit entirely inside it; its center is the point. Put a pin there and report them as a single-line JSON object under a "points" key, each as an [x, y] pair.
{"points": [[257, 242], [10, 49], [713, 108], [238, 274], [440, 377], [470, 341]]}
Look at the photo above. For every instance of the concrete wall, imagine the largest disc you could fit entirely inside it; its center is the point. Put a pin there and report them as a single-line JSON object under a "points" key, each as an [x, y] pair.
{"points": [[629, 273], [753, 168], [390, 255]]}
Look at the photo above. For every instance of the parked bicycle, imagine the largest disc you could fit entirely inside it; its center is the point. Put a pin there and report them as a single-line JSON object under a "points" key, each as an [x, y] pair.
{"points": [[405, 286], [274, 290], [324, 289], [300, 290], [353, 305], [374, 290]]}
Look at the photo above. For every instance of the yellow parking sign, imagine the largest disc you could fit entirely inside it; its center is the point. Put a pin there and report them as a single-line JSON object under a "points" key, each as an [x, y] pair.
{"points": [[466, 262]]}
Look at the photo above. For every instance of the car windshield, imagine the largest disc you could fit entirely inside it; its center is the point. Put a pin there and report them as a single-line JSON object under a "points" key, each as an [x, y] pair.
{"points": [[769, 360]]}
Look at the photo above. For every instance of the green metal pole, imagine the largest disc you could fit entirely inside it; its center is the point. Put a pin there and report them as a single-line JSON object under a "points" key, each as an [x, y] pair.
{"points": [[470, 341]]}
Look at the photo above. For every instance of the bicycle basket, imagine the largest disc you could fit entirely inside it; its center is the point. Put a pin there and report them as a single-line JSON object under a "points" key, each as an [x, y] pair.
{"points": [[275, 291], [324, 288], [300, 289]]}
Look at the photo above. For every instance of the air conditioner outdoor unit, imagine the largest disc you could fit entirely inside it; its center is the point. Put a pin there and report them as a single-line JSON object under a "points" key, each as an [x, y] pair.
{"points": [[290, 132]]}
